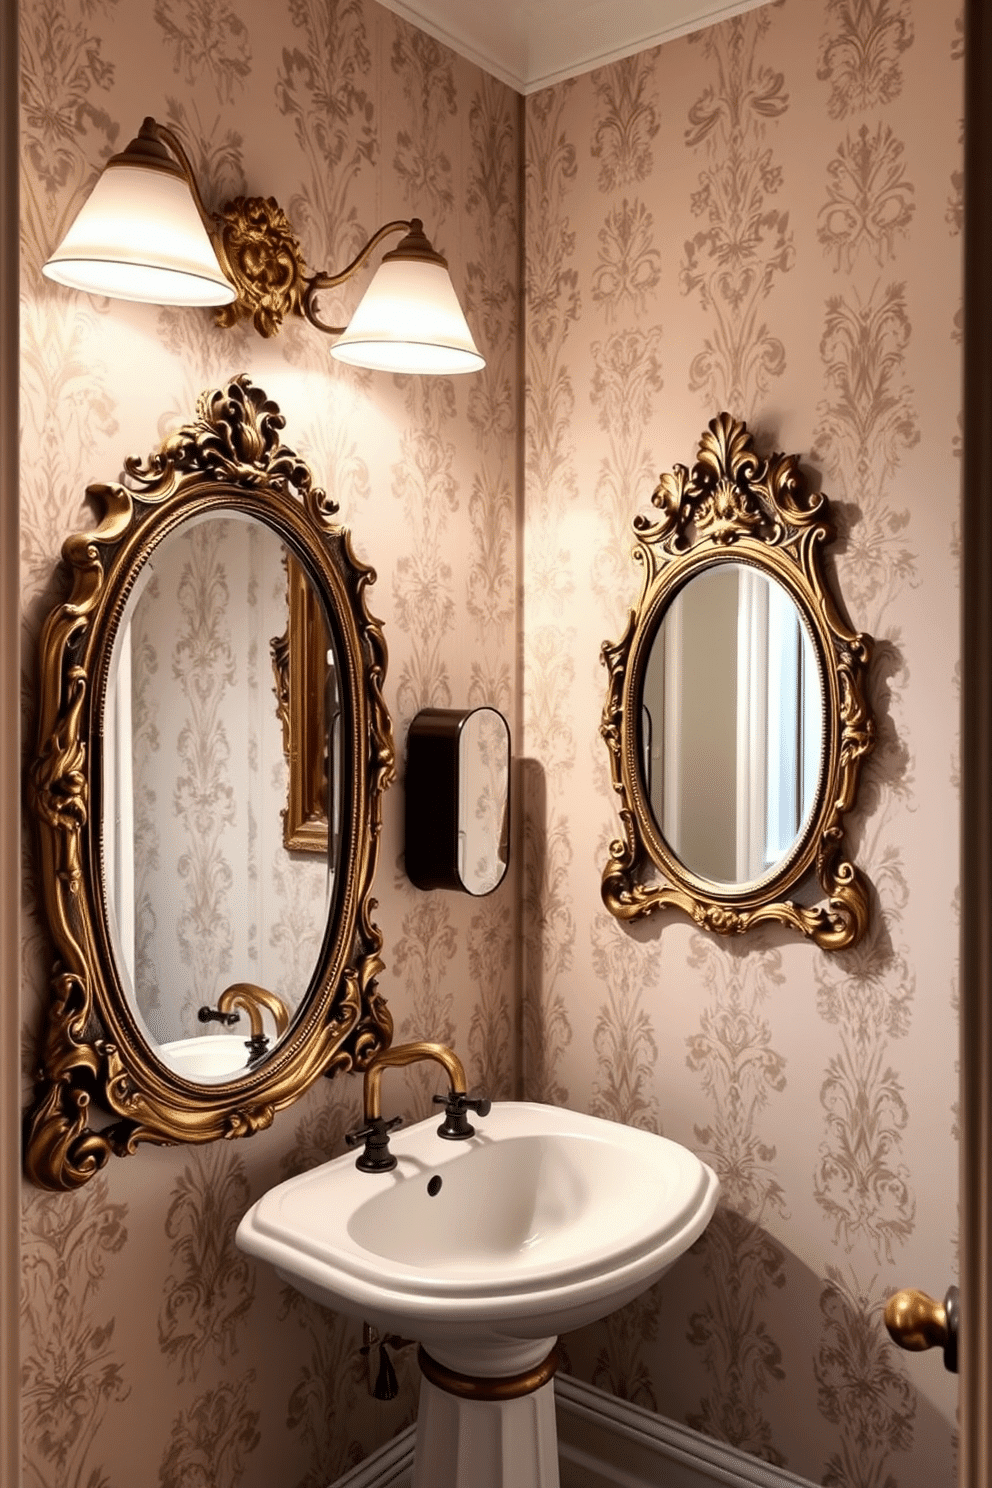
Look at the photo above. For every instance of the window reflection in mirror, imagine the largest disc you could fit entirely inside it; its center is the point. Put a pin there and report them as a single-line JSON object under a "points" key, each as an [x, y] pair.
{"points": [[201, 893], [732, 724]]}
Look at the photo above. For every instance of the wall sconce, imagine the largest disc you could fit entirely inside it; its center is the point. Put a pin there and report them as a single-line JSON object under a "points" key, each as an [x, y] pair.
{"points": [[144, 234]]}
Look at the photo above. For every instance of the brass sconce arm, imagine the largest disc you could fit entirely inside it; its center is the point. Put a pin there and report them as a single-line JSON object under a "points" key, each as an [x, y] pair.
{"points": [[414, 245], [151, 147]]}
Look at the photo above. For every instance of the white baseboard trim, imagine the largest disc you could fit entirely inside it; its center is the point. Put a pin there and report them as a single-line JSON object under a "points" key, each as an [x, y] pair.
{"points": [[390, 1467], [604, 1442]]}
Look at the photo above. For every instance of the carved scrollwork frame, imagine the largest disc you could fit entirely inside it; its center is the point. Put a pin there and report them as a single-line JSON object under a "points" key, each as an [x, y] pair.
{"points": [[91, 1051], [735, 505]]}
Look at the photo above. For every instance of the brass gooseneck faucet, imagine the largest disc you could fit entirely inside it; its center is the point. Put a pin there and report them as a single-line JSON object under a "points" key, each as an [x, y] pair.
{"points": [[374, 1132]]}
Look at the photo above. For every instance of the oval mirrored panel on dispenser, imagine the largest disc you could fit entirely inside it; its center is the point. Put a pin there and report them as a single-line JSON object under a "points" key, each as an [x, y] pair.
{"points": [[458, 799]]}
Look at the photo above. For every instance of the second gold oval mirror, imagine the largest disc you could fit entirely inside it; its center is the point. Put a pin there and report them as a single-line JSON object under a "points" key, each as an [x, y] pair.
{"points": [[736, 718], [208, 972]]}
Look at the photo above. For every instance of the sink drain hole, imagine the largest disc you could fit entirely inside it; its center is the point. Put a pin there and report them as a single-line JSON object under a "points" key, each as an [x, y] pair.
{"points": [[434, 1186]]}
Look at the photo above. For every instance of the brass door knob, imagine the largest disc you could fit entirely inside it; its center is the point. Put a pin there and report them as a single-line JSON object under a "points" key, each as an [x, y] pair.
{"points": [[917, 1321]]}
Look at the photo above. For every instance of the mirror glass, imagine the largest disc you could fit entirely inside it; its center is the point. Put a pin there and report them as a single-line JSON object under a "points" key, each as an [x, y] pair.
{"points": [[483, 800], [732, 724], [201, 892]]}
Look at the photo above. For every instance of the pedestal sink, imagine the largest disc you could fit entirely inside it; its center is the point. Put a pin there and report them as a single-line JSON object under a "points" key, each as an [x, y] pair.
{"points": [[484, 1251]]}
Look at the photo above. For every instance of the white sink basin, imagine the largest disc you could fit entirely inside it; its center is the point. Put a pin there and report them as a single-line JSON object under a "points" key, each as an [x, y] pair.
{"points": [[544, 1220]]}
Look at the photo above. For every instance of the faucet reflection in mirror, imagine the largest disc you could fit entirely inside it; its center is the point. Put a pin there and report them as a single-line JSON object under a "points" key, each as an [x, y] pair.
{"points": [[253, 999], [144, 234]]}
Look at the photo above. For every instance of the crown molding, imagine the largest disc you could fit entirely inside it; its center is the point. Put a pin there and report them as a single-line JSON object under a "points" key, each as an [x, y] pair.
{"points": [[532, 44]]}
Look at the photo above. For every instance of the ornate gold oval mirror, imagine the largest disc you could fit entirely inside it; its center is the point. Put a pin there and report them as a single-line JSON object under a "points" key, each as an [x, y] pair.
{"points": [[735, 716], [207, 972]]}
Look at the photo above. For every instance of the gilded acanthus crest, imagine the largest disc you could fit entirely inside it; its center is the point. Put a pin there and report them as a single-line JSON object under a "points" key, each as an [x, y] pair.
{"points": [[729, 493]]}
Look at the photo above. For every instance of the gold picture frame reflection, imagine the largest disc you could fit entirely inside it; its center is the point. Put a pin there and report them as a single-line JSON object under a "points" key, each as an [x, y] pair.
{"points": [[301, 661]]}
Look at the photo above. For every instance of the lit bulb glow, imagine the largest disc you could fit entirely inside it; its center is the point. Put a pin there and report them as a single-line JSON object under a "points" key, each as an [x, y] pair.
{"points": [[139, 236], [409, 320]]}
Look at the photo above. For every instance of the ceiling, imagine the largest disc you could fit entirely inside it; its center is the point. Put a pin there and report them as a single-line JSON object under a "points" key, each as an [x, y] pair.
{"points": [[532, 43]]}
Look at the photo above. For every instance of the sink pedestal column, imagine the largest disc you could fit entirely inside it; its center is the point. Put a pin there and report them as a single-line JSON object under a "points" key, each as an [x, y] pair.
{"points": [[486, 1431]]}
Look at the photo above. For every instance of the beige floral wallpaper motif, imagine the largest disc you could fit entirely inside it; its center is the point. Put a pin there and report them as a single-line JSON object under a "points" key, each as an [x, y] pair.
{"points": [[787, 187], [155, 1352], [868, 422], [765, 217], [212, 1441], [206, 1299], [329, 1376], [551, 303], [740, 1074], [869, 201], [862, 1388], [210, 1286], [625, 393], [147, 837], [203, 802], [733, 261], [72, 1376], [861, 47], [202, 35]]}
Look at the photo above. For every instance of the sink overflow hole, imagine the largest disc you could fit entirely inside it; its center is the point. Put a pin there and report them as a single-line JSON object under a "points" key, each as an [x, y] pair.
{"points": [[434, 1186]]}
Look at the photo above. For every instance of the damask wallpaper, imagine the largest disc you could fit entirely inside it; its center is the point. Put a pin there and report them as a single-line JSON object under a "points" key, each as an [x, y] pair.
{"points": [[153, 1351], [764, 217]]}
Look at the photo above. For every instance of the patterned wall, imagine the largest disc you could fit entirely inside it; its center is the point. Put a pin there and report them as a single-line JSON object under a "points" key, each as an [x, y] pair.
{"points": [[153, 1351], [762, 218]]}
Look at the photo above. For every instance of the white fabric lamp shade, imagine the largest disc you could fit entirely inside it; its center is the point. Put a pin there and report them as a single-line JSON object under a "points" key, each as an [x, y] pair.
{"points": [[139, 236], [409, 320]]}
